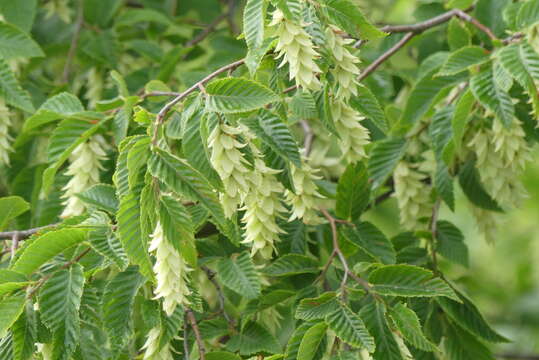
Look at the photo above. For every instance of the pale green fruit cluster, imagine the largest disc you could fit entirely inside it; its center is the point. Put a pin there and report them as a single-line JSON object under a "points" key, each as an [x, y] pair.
{"points": [[229, 162], [487, 222], [171, 272], [412, 196], [45, 350], [153, 350], [304, 200], [353, 136], [501, 156], [533, 37], [296, 48], [262, 206], [345, 71], [59, 8], [5, 123], [84, 171], [94, 86]]}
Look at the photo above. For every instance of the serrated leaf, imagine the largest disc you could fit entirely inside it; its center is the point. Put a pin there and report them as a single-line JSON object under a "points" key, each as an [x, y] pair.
{"points": [[312, 341], [118, 300], [221, 355], [459, 345], [276, 134], [11, 308], [463, 59], [137, 157], [303, 105], [374, 316], [11, 91], [291, 264], [353, 192], [367, 104], [450, 243], [473, 189], [383, 158], [11, 281], [254, 14], [317, 308], [458, 36], [350, 328], [102, 196], [240, 275], [408, 281], [233, 95], [461, 115], [255, 338], [350, 18], [408, 324], [371, 240], [10, 208], [107, 244], [467, 316], [130, 232], [528, 14], [57, 107], [24, 334], [292, 347], [443, 183], [47, 246], [19, 13], [15, 43], [492, 97]]}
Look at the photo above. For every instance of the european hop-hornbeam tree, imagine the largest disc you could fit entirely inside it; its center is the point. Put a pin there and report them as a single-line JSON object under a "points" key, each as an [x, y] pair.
{"points": [[194, 180]]}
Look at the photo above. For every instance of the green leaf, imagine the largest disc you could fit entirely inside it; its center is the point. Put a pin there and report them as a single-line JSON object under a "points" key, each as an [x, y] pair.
{"points": [[118, 300], [255, 338], [11, 308], [102, 196], [384, 157], [371, 240], [374, 316], [234, 95], [11, 91], [24, 334], [222, 355], [19, 13], [10, 208], [466, 315], [130, 232], [122, 174], [490, 14], [273, 132], [458, 36], [408, 324], [528, 14], [291, 264], [57, 107], [60, 300], [11, 280], [47, 246], [294, 341], [408, 281], [450, 243], [473, 189], [106, 243], [312, 342], [303, 105], [461, 116], [492, 97], [317, 308], [137, 157], [349, 17], [353, 192], [254, 14], [240, 275], [350, 328], [367, 104], [463, 59], [460, 345], [120, 122], [14, 43]]}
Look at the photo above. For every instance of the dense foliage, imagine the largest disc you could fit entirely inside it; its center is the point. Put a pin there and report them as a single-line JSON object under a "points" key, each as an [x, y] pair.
{"points": [[226, 221]]}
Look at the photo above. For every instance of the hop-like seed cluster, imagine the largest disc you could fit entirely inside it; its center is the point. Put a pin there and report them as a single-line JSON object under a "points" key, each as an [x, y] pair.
{"points": [[296, 48], [533, 37], [171, 272], [153, 352], [60, 8], [412, 197], [345, 71], [94, 87], [487, 222], [305, 198], [229, 162], [84, 171], [354, 136], [262, 206], [5, 139], [501, 156]]}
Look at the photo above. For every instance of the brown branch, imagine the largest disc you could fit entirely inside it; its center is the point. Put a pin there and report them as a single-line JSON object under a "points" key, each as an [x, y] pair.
{"points": [[14, 244], [309, 136], [337, 249], [466, 17], [24, 234], [207, 30], [164, 111], [74, 42], [185, 338], [196, 330], [211, 276], [422, 26]]}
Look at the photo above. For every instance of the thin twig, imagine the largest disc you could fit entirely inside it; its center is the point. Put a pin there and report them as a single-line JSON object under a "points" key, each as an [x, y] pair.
{"points": [[14, 244], [185, 338], [309, 136], [207, 31], [74, 42], [466, 17], [211, 276], [196, 330], [337, 249], [164, 111], [433, 226], [24, 234], [421, 26]]}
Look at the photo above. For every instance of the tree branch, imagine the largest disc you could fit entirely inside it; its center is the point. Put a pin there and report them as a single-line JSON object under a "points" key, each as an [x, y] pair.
{"points": [[74, 42], [211, 276], [196, 330], [309, 136], [24, 234]]}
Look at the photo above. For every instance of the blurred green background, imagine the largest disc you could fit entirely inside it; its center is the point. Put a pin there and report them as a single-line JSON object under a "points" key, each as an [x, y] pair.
{"points": [[503, 278]]}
